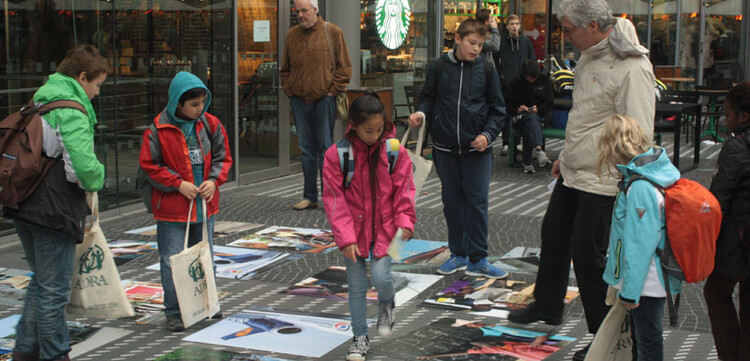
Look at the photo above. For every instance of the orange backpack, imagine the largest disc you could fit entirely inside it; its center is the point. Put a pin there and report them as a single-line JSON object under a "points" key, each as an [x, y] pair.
{"points": [[693, 221]]}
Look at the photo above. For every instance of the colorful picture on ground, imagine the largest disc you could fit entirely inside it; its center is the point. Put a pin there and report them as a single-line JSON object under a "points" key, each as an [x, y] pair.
{"points": [[523, 260], [226, 228], [13, 283], [312, 336], [310, 240], [419, 251], [238, 263], [455, 339], [331, 283], [486, 296], [194, 353], [127, 250], [145, 297]]}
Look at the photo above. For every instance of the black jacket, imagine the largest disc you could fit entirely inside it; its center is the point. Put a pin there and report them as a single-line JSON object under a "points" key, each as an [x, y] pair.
{"points": [[513, 51], [460, 105], [56, 204], [539, 93], [731, 186]]}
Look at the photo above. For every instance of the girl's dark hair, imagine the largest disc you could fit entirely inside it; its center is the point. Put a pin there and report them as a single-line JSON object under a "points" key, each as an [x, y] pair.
{"points": [[83, 58], [366, 107], [192, 94], [739, 97], [529, 67]]}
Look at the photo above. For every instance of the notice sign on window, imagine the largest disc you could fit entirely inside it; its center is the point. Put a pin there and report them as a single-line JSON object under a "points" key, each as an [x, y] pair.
{"points": [[262, 31]]}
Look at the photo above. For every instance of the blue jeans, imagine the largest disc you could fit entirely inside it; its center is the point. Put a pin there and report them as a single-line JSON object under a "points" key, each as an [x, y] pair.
{"points": [[466, 184], [50, 254], [314, 123], [170, 237], [647, 330], [530, 126], [356, 277]]}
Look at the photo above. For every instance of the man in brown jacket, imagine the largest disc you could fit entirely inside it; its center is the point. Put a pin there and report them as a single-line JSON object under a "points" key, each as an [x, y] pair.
{"points": [[312, 73]]}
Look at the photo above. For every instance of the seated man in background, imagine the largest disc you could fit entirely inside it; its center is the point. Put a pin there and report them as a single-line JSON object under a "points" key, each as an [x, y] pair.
{"points": [[529, 102]]}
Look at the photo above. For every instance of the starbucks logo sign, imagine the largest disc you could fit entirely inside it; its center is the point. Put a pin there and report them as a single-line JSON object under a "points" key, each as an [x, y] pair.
{"points": [[91, 260], [392, 20]]}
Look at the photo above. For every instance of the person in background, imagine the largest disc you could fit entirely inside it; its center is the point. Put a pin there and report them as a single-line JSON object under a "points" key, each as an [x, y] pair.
{"points": [[613, 76], [530, 101], [466, 112], [514, 49], [50, 222], [731, 186], [187, 158], [311, 78], [368, 213], [492, 42]]}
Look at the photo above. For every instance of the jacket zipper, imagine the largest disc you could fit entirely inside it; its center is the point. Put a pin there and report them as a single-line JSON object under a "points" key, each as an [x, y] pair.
{"points": [[458, 109]]}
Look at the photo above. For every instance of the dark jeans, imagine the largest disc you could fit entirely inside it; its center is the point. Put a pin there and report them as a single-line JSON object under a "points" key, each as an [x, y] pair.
{"points": [[530, 126], [314, 123], [170, 237], [465, 181], [647, 331], [576, 225], [731, 330], [50, 254]]}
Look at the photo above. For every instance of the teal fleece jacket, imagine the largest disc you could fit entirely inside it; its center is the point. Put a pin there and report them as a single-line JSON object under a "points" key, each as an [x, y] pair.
{"points": [[638, 226]]}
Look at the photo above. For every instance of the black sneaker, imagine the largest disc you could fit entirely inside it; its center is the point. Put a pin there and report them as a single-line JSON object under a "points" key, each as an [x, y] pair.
{"points": [[580, 355], [358, 349], [217, 316], [532, 314], [174, 323], [386, 319]]}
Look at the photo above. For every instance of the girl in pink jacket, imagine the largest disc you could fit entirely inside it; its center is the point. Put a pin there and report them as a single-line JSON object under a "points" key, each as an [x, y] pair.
{"points": [[366, 213]]}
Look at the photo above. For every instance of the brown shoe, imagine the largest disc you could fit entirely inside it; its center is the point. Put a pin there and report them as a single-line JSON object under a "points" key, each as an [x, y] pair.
{"points": [[18, 356], [304, 204]]}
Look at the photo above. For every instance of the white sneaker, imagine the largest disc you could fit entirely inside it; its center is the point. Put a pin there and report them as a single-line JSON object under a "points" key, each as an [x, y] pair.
{"points": [[358, 349], [505, 149], [528, 168], [541, 156]]}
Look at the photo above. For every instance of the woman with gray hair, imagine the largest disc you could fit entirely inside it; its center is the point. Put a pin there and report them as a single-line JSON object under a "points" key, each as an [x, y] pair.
{"points": [[613, 76]]}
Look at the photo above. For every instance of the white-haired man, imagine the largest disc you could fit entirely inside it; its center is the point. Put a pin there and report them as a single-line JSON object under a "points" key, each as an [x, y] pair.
{"points": [[613, 76], [312, 90]]}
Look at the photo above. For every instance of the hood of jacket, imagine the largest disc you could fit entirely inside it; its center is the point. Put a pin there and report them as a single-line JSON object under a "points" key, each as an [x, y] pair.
{"points": [[654, 165], [181, 83], [624, 39], [515, 42], [63, 87]]}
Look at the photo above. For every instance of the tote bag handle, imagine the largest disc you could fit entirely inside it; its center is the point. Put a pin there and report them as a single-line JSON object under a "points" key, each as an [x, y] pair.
{"points": [[187, 224]]}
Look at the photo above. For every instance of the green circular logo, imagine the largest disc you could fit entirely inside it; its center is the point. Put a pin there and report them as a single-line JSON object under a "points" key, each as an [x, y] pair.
{"points": [[392, 18], [91, 260], [196, 270]]}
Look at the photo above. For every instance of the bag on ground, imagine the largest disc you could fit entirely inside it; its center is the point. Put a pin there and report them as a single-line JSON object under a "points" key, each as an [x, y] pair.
{"points": [[421, 166], [23, 164], [97, 290], [193, 276]]}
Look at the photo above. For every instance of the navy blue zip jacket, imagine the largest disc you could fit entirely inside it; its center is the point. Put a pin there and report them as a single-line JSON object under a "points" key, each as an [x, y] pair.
{"points": [[459, 105]]}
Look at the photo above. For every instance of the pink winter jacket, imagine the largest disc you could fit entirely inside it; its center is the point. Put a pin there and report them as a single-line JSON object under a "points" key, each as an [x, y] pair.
{"points": [[350, 211]]}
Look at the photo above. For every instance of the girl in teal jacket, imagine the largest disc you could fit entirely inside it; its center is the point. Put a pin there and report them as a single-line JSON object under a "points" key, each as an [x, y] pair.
{"points": [[633, 266]]}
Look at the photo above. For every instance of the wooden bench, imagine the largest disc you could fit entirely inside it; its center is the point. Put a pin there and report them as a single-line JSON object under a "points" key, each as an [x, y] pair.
{"points": [[515, 136]]}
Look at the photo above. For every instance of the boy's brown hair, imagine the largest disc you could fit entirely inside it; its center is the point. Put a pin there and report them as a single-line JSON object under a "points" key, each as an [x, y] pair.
{"points": [[484, 15], [83, 58], [512, 17], [471, 26]]}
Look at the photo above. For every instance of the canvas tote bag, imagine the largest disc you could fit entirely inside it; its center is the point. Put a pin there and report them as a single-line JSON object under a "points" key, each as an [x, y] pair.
{"points": [[612, 341], [96, 289], [193, 276], [421, 166]]}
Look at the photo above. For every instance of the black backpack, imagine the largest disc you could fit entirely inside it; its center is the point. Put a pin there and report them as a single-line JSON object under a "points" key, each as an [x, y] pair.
{"points": [[23, 164]]}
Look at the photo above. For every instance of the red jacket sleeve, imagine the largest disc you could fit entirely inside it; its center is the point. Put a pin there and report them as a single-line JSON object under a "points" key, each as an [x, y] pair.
{"points": [[160, 176], [221, 156]]}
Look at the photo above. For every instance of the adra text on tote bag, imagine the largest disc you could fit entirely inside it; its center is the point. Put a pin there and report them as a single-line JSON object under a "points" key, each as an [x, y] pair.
{"points": [[193, 276], [96, 290], [421, 166]]}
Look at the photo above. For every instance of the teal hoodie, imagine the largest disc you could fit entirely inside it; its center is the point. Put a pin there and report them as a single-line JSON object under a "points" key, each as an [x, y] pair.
{"points": [[638, 225], [181, 83]]}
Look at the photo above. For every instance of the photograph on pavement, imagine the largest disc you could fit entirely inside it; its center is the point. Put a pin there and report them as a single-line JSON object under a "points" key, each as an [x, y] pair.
{"points": [[309, 240]]}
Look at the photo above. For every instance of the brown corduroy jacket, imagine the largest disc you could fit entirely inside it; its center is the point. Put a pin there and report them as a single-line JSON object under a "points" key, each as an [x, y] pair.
{"points": [[308, 72]]}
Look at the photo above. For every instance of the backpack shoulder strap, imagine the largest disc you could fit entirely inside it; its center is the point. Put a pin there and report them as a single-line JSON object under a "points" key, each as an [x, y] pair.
{"points": [[59, 104], [392, 148], [346, 160]]}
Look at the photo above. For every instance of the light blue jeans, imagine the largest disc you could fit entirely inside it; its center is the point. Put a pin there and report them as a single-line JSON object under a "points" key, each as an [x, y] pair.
{"points": [[50, 254], [314, 123], [170, 237], [356, 276]]}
